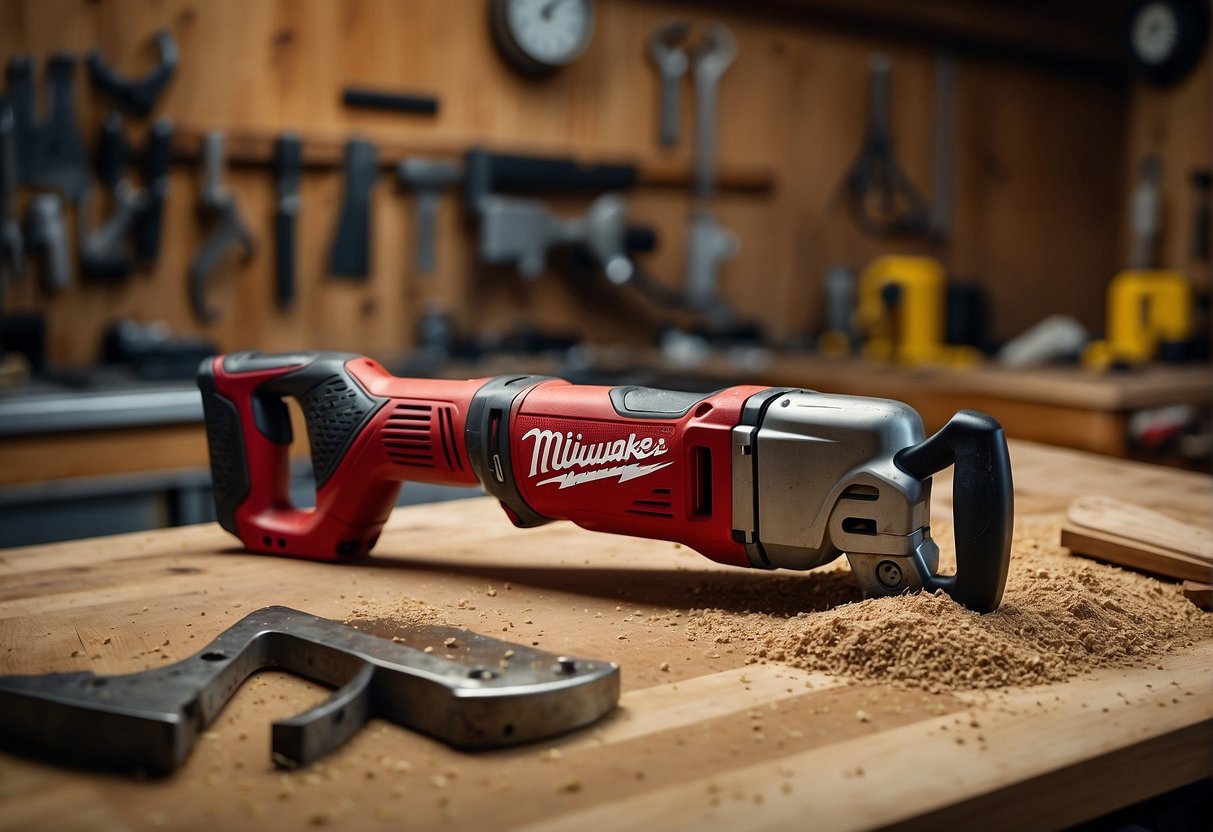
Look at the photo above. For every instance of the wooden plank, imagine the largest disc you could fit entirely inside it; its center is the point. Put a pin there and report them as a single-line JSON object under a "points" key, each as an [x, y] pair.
{"points": [[1199, 594], [1136, 522], [1134, 554]]}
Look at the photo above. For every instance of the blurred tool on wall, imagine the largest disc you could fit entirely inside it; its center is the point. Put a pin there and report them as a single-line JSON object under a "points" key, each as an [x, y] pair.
{"points": [[132, 232], [288, 169], [228, 231], [1149, 315]]}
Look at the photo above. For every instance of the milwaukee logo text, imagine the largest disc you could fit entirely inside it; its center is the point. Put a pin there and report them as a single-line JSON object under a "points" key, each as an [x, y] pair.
{"points": [[554, 451]]}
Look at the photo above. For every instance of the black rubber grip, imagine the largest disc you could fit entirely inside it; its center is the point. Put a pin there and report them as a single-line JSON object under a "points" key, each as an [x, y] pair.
{"points": [[983, 504], [335, 408], [229, 466]]}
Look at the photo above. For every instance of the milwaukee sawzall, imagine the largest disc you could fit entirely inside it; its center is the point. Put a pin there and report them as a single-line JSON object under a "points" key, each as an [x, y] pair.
{"points": [[749, 476]]}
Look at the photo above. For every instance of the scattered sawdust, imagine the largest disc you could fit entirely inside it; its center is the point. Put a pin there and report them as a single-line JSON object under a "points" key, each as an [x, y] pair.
{"points": [[1060, 616]]}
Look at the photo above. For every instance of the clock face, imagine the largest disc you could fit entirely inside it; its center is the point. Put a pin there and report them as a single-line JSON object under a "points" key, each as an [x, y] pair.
{"points": [[1155, 33], [541, 35]]}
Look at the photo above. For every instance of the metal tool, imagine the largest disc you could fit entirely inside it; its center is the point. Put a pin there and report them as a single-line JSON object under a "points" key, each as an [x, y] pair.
{"points": [[351, 252], [157, 155], [397, 102], [882, 199], [51, 157], [665, 48], [137, 97], [229, 230], [428, 178], [748, 476], [12, 248], [104, 253], [520, 232], [708, 244], [1145, 217], [137, 212], [46, 236], [944, 195], [288, 169], [487, 694]]}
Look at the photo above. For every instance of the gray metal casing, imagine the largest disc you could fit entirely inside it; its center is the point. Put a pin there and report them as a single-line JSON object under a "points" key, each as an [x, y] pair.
{"points": [[816, 478]]}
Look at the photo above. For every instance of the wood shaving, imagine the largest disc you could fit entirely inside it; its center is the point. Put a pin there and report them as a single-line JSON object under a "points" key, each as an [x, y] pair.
{"points": [[1060, 616]]}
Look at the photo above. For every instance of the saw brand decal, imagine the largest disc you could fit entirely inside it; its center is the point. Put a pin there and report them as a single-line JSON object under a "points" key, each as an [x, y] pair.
{"points": [[554, 451]]}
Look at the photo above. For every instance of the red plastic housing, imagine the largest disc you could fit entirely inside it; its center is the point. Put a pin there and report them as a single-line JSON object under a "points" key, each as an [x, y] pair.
{"points": [[576, 458]]}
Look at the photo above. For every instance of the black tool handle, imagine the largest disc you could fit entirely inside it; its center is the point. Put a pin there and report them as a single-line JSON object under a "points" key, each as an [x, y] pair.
{"points": [[351, 252], [156, 158], [394, 101], [983, 504], [487, 173], [288, 167]]}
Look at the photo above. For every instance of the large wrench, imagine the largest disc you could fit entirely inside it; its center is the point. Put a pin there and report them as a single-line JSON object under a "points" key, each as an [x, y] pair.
{"points": [[708, 244], [666, 52]]}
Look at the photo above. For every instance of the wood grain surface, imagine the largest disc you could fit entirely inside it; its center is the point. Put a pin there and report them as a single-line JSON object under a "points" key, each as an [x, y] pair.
{"points": [[709, 743]]}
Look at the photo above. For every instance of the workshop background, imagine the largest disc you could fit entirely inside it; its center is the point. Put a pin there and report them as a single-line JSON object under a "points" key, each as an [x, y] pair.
{"points": [[1027, 128]]}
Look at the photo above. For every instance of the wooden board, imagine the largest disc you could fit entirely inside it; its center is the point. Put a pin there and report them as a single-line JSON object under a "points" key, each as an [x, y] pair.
{"points": [[681, 752], [1139, 523], [1134, 554]]}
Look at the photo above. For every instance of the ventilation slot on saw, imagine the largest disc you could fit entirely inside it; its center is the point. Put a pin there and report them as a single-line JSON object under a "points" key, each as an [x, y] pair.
{"points": [[658, 505], [867, 493], [446, 434], [408, 435]]}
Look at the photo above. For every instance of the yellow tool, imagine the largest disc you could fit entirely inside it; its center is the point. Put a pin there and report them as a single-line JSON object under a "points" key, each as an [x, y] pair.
{"points": [[1148, 311], [901, 313]]}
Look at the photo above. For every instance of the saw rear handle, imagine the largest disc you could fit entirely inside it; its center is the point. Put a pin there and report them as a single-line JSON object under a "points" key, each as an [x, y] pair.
{"points": [[748, 476]]}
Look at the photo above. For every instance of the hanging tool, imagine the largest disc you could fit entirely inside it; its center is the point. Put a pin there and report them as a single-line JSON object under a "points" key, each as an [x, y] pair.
{"points": [[882, 199], [46, 236], [486, 693], [12, 248], [428, 178], [351, 252], [50, 157], [839, 337], [1149, 312], [156, 157], [228, 228], [748, 476], [1202, 216], [902, 304], [520, 232], [288, 168], [488, 173], [136, 97], [106, 253], [708, 244], [940, 221], [665, 48], [426, 105]]}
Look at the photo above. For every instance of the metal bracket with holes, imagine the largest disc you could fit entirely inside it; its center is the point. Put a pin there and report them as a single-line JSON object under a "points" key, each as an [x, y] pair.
{"points": [[470, 691]]}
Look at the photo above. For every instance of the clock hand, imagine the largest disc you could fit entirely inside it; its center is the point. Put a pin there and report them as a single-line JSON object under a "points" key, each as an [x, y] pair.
{"points": [[548, 7]]}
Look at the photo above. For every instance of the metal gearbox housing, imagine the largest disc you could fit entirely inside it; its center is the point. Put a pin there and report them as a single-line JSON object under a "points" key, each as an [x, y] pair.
{"points": [[815, 478]]}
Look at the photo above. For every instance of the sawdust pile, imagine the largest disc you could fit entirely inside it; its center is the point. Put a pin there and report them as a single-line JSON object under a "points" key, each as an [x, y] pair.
{"points": [[1060, 616]]}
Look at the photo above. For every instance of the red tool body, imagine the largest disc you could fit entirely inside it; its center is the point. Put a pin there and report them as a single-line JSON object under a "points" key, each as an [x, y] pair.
{"points": [[629, 460]]}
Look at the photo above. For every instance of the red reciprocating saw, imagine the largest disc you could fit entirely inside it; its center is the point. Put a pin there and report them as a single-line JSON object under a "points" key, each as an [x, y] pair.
{"points": [[749, 476]]}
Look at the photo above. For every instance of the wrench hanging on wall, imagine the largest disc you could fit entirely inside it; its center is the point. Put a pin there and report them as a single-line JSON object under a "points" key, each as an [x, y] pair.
{"points": [[708, 244], [228, 228], [665, 48]]}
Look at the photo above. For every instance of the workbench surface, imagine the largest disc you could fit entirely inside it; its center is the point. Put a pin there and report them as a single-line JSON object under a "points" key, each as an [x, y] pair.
{"points": [[683, 750]]}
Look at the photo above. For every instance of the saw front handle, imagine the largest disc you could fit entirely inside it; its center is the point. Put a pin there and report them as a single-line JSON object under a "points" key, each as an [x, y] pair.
{"points": [[983, 507]]}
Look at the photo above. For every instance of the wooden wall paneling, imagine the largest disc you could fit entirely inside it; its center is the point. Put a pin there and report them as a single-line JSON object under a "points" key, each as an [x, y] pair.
{"points": [[1034, 214]]}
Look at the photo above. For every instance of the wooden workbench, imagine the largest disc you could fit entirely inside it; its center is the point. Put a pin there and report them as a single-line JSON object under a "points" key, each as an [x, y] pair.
{"points": [[681, 751]]}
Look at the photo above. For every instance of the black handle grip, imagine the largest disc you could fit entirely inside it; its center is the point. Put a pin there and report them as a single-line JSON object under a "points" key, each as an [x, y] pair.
{"points": [[983, 504], [156, 158]]}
